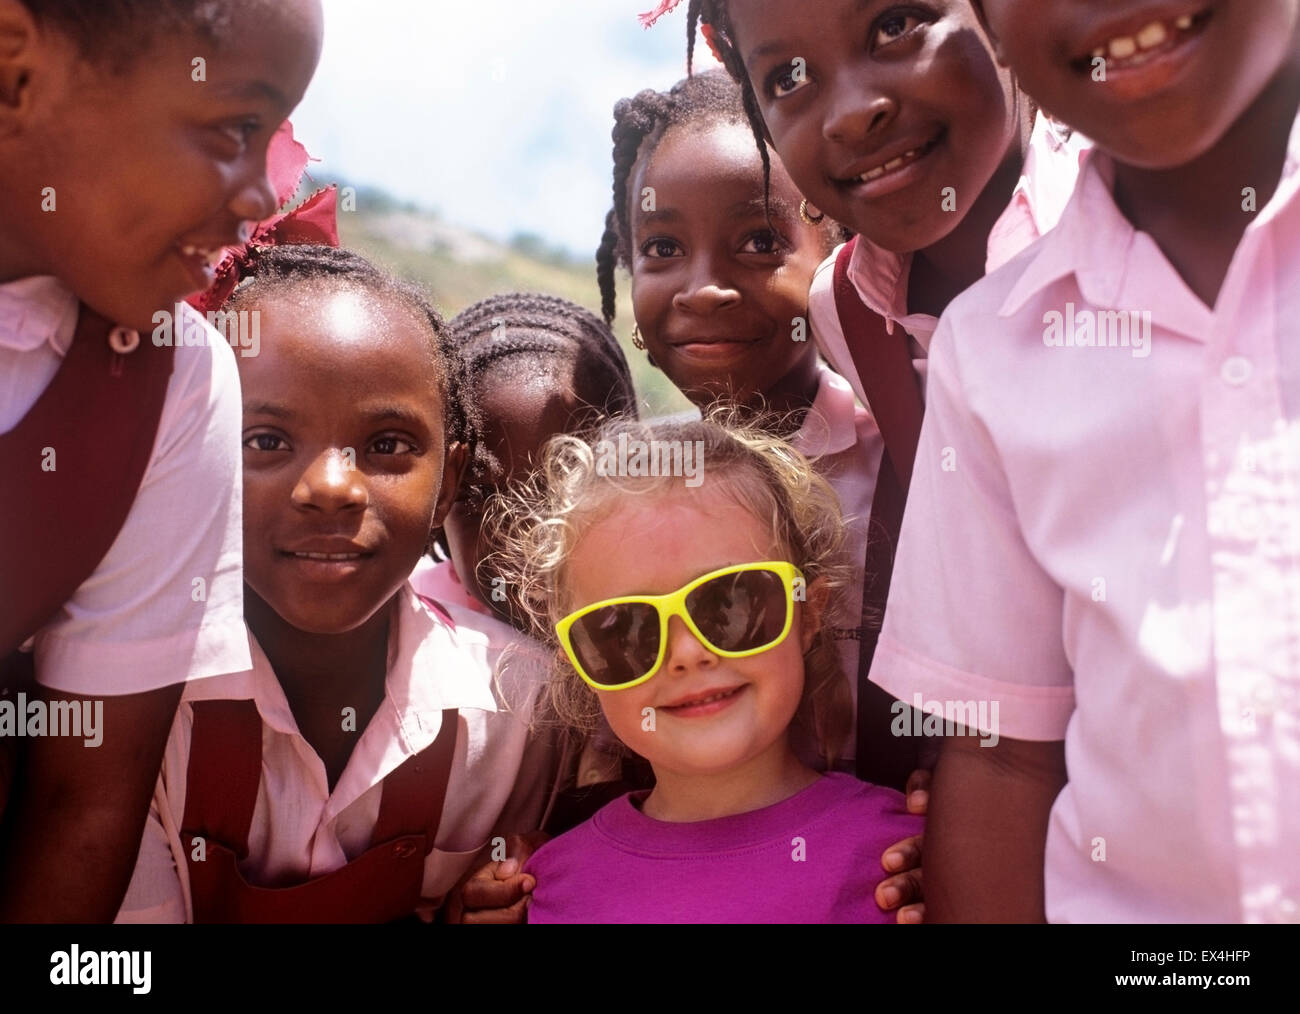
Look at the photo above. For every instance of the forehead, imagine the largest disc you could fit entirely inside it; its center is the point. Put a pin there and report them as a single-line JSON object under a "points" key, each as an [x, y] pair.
{"points": [[348, 339], [711, 165], [251, 50], [664, 539], [520, 418]]}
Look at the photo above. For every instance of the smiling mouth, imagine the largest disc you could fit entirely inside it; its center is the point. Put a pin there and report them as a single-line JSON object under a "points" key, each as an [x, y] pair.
{"points": [[328, 557], [1124, 52], [703, 699], [893, 165]]}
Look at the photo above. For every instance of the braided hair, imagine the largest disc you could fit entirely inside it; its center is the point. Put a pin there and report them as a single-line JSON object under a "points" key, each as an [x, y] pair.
{"points": [[278, 268], [516, 335], [715, 14], [639, 125]]}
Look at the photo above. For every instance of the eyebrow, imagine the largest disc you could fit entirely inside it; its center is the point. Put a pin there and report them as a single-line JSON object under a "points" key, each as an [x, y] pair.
{"points": [[253, 90], [660, 215], [267, 408], [753, 208], [777, 45], [380, 411]]}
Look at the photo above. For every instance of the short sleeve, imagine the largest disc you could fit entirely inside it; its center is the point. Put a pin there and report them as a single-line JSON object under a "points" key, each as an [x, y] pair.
{"points": [[165, 604], [972, 615], [156, 893]]}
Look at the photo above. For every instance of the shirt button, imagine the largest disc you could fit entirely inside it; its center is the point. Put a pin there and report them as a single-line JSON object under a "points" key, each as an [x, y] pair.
{"points": [[1236, 370], [404, 849], [1265, 699]]}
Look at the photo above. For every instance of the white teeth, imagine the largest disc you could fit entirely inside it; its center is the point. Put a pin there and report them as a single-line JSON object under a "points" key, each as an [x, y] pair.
{"points": [[1123, 47], [212, 257], [1184, 22], [328, 556], [1153, 35], [889, 166]]}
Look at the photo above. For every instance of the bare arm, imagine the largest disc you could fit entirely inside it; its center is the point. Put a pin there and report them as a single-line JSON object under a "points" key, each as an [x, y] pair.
{"points": [[987, 829], [76, 813]]}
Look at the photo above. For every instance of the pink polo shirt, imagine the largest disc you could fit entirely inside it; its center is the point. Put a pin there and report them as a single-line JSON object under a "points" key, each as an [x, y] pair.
{"points": [[1103, 537], [500, 778]]}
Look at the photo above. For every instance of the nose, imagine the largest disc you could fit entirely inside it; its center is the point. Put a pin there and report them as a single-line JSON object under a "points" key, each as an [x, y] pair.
{"points": [[857, 110], [254, 197], [685, 651], [331, 483], [706, 290]]}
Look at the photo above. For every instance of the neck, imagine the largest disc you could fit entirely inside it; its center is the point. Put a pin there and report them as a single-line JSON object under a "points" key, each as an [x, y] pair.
{"points": [[323, 673], [944, 270], [792, 395], [1199, 235], [772, 776]]}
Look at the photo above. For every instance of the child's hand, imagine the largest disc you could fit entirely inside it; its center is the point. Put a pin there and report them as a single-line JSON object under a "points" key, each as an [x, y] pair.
{"points": [[903, 859], [497, 893]]}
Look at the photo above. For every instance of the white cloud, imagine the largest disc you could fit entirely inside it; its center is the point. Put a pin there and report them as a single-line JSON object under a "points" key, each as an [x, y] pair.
{"points": [[496, 113]]}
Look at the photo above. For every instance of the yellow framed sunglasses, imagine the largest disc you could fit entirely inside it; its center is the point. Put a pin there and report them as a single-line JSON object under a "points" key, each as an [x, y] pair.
{"points": [[735, 612]]}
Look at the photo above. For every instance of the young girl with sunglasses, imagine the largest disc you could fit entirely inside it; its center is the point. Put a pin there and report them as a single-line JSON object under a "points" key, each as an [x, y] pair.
{"points": [[693, 617]]}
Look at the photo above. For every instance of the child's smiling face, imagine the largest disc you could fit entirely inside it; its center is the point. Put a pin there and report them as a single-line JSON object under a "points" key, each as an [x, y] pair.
{"points": [[1176, 74], [661, 542], [145, 162], [877, 107], [714, 290], [344, 378]]}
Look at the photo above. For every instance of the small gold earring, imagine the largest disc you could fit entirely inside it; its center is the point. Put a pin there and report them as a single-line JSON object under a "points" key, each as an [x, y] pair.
{"points": [[808, 219], [637, 341]]}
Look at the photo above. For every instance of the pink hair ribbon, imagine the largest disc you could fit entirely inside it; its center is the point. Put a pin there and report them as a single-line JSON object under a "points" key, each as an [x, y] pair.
{"points": [[313, 221]]}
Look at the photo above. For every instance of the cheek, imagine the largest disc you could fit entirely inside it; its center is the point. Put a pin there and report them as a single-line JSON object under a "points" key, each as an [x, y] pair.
{"points": [[652, 298], [623, 711]]}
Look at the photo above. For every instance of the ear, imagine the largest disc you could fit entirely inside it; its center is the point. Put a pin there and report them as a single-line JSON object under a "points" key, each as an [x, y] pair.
{"points": [[19, 54], [453, 470], [812, 616], [978, 5]]}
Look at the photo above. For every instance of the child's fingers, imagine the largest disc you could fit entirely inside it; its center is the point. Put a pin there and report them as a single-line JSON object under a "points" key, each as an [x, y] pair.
{"points": [[912, 914], [904, 855], [489, 893], [903, 889], [918, 791], [512, 915]]}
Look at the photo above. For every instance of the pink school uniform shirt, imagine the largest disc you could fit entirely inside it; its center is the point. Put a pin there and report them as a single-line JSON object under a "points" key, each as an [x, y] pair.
{"points": [[141, 621], [500, 779], [812, 858], [1103, 536]]}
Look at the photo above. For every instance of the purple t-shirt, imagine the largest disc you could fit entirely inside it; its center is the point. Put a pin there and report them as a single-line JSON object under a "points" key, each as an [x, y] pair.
{"points": [[812, 858]]}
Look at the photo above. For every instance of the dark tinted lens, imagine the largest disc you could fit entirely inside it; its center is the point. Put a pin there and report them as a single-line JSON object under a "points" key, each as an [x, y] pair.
{"points": [[740, 611], [617, 644]]}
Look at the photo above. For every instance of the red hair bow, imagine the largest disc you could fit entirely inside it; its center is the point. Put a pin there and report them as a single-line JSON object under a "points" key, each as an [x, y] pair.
{"points": [[313, 221]]}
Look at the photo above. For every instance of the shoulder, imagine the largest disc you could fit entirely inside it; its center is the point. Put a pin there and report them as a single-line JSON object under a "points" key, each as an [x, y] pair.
{"points": [[864, 807]]}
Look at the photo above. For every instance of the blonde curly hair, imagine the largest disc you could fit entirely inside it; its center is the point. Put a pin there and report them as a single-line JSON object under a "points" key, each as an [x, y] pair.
{"points": [[535, 525]]}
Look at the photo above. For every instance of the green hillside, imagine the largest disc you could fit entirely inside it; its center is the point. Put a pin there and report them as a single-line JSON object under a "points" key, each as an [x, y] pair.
{"points": [[459, 268]]}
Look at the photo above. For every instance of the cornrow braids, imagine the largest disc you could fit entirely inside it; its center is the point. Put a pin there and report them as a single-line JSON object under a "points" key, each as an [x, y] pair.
{"points": [[639, 125], [524, 333], [715, 14], [279, 268], [94, 25]]}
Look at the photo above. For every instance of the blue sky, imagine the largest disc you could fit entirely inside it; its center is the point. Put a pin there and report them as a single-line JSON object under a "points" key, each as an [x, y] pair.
{"points": [[495, 113]]}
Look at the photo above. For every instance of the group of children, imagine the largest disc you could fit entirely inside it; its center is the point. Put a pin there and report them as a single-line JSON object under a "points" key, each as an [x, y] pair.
{"points": [[997, 418]]}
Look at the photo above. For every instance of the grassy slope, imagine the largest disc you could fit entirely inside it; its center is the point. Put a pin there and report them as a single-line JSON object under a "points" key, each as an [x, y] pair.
{"points": [[459, 269]]}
